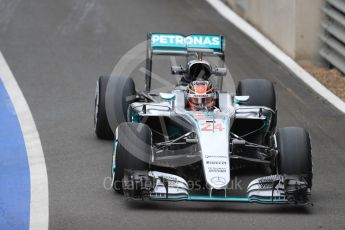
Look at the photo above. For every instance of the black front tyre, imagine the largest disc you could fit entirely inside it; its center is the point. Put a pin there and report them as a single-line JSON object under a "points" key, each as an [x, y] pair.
{"points": [[294, 157], [133, 150]]}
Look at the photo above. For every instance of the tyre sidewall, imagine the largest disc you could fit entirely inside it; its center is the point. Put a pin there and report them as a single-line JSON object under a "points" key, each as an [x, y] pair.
{"points": [[294, 157]]}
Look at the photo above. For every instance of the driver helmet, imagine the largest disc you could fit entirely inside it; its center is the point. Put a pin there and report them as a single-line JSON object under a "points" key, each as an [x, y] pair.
{"points": [[201, 95]]}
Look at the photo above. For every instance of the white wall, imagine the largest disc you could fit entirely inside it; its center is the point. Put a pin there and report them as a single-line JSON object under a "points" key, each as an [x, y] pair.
{"points": [[294, 25]]}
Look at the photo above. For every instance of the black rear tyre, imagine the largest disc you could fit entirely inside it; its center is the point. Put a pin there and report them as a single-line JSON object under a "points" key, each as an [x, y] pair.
{"points": [[260, 91], [132, 150], [120, 94], [101, 124], [108, 114], [294, 156]]}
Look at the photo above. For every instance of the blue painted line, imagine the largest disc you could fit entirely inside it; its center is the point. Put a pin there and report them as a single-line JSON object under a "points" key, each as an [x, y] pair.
{"points": [[14, 169]]}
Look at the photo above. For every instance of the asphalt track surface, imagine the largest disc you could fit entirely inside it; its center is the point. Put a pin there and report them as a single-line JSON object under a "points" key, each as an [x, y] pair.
{"points": [[57, 49]]}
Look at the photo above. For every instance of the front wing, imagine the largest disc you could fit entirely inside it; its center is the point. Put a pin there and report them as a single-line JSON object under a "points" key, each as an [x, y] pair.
{"points": [[158, 186]]}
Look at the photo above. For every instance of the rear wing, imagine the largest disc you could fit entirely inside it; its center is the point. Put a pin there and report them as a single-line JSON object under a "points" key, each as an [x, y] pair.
{"points": [[174, 44], [179, 44]]}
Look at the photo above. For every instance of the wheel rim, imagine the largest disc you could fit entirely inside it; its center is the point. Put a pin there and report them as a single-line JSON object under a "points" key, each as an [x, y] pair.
{"points": [[113, 165], [95, 115]]}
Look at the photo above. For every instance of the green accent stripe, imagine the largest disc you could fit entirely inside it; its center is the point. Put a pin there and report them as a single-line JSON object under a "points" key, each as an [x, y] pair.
{"points": [[217, 198]]}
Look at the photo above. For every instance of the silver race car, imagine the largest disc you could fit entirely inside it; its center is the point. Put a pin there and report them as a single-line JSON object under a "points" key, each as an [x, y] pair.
{"points": [[198, 142]]}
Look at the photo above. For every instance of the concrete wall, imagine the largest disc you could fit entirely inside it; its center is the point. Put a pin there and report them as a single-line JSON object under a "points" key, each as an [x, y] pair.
{"points": [[293, 25]]}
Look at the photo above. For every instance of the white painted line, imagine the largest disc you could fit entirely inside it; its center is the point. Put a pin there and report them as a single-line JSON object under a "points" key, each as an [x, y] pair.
{"points": [[277, 53], [39, 210]]}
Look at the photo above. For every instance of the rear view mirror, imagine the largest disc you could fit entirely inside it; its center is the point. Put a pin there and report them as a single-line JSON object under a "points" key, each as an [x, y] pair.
{"points": [[221, 72], [241, 99], [167, 96], [178, 70]]}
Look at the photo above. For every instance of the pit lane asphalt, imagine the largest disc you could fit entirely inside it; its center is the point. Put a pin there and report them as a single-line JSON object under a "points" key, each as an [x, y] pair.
{"points": [[57, 49]]}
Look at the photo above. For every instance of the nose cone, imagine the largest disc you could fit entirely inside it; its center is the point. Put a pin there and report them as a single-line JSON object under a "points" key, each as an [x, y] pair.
{"points": [[214, 143]]}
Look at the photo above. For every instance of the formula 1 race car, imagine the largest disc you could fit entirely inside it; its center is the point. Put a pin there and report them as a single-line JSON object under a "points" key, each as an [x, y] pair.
{"points": [[197, 141]]}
